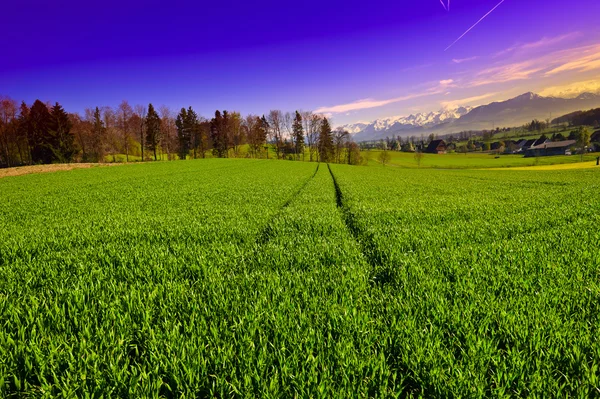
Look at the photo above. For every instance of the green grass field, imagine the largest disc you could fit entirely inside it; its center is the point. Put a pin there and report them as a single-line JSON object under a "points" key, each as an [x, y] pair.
{"points": [[472, 160], [258, 278]]}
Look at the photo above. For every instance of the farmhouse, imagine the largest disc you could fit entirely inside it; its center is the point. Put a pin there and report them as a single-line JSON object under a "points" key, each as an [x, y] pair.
{"points": [[528, 144], [551, 148], [541, 140], [436, 147], [516, 147]]}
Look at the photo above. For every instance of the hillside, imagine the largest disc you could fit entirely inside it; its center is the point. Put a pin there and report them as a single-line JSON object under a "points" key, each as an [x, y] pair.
{"points": [[590, 117]]}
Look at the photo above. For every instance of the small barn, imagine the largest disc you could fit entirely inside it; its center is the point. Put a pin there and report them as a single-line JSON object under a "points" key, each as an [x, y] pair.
{"points": [[551, 148], [516, 147], [528, 144], [436, 147]]}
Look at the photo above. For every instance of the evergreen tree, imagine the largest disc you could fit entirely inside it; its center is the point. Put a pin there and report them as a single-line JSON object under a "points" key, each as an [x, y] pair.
{"points": [[40, 140], [63, 141], [24, 129], [218, 133], [183, 134], [153, 133], [264, 126], [298, 134], [325, 142], [98, 137], [225, 135], [193, 127]]}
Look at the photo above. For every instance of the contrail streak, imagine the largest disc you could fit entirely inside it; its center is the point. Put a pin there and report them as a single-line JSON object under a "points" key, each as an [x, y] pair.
{"points": [[443, 5], [476, 23]]}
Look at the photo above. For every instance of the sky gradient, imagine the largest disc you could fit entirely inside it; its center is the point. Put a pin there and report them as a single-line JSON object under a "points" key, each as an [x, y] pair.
{"points": [[355, 61]]}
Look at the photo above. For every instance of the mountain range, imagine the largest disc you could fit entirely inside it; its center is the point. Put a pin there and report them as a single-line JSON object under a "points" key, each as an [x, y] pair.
{"points": [[513, 112]]}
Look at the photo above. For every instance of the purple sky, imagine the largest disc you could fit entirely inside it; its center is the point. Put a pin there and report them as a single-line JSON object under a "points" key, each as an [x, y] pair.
{"points": [[352, 60]]}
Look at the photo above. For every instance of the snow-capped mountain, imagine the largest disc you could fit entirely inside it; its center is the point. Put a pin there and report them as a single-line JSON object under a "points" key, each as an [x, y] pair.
{"points": [[512, 112], [588, 96], [355, 127], [396, 124]]}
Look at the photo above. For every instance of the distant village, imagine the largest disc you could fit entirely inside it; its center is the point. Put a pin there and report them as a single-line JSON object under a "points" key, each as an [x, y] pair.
{"points": [[543, 145]]}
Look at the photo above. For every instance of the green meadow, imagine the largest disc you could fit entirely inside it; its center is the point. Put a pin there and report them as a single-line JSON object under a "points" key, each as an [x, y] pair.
{"points": [[470, 160], [275, 279]]}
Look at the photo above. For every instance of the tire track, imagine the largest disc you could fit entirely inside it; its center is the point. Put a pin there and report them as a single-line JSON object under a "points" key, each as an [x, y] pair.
{"points": [[265, 234], [381, 273]]}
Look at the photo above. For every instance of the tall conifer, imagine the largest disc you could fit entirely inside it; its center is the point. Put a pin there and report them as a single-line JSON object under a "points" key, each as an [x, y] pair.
{"points": [[298, 134], [325, 142], [62, 140], [153, 133]]}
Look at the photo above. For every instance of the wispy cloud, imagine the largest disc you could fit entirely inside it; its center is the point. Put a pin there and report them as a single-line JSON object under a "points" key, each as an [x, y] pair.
{"points": [[467, 101], [463, 60], [578, 59], [572, 89], [441, 87], [543, 43], [586, 59], [476, 23], [506, 73], [550, 41]]}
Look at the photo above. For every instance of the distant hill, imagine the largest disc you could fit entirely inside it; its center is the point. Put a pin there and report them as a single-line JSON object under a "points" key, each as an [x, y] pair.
{"points": [[591, 117], [523, 109], [567, 118], [513, 112]]}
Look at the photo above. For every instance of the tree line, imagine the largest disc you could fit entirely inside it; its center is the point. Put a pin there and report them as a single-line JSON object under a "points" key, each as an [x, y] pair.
{"points": [[43, 133]]}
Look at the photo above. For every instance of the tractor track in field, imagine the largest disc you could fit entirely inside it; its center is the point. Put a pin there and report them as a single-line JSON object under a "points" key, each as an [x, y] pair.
{"points": [[380, 273], [265, 234]]}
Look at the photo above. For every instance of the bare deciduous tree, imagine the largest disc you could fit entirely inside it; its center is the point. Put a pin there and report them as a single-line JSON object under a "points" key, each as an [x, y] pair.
{"points": [[124, 117], [167, 118], [276, 123], [312, 125], [8, 139], [340, 139], [110, 119], [140, 112], [255, 134], [288, 126], [236, 133]]}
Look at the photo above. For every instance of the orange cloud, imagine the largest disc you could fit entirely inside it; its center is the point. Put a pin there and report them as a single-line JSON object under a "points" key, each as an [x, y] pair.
{"points": [[367, 103]]}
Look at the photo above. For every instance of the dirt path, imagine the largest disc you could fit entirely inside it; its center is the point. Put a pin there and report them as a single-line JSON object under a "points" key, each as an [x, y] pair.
{"points": [[25, 170]]}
